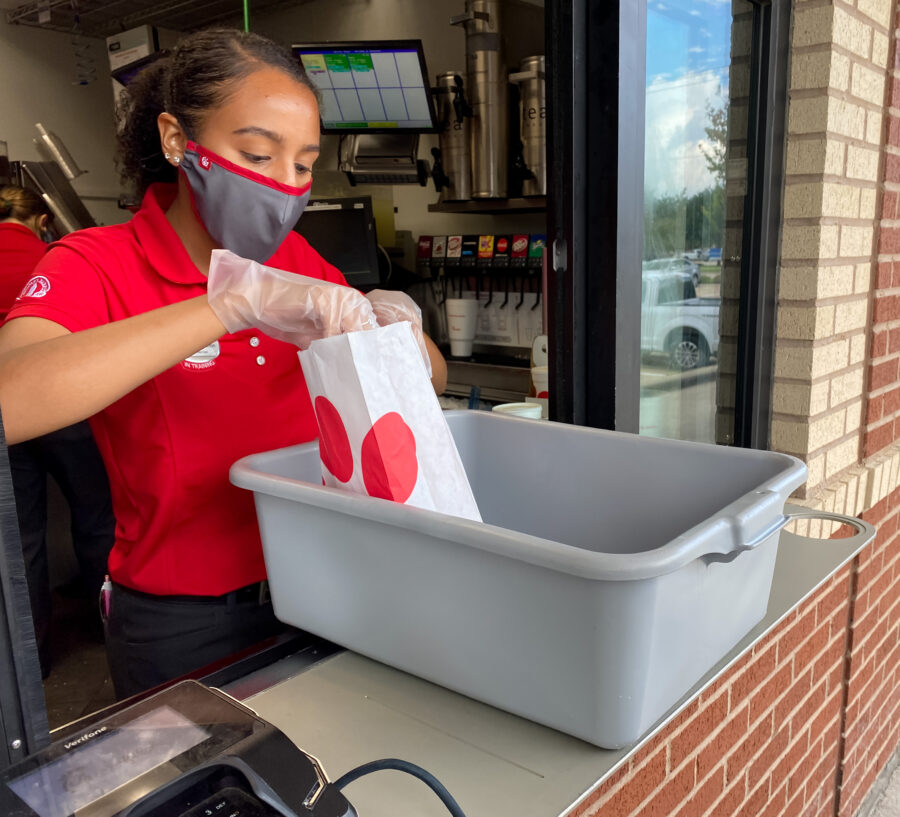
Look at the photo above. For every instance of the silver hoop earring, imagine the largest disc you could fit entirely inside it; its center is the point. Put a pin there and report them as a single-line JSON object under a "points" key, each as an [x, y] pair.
{"points": [[168, 155]]}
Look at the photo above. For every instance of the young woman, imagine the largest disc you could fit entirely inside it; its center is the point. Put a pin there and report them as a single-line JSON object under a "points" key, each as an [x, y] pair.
{"points": [[117, 325], [69, 454]]}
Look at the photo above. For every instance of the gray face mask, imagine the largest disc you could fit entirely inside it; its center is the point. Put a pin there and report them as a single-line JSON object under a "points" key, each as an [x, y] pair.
{"points": [[243, 211]]}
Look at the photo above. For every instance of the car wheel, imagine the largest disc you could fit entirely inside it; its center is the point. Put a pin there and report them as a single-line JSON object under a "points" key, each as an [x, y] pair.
{"points": [[687, 350], [695, 277]]}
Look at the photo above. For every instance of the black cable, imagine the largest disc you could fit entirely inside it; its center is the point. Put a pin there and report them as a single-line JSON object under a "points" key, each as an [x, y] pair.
{"points": [[403, 766]]}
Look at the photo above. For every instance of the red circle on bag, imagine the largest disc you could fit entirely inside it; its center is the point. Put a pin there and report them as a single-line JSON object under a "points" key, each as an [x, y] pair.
{"points": [[389, 465], [334, 444]]}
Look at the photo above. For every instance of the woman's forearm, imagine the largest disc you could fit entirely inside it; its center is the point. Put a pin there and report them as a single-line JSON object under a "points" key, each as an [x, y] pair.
{"points": [[46, 384], [438, 366]]}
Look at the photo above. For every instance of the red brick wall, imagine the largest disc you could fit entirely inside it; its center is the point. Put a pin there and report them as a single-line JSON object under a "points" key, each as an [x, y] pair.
{"points": [[883, 405], [872, 717], [872, 728]]}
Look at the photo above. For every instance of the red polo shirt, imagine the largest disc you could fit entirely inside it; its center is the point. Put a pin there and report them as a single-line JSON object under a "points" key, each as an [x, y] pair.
{"points": [[20, 251], [181, 527]]}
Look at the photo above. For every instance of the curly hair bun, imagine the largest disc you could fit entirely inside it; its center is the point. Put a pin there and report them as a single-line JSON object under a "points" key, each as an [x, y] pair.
{"points": [[188, 83]]}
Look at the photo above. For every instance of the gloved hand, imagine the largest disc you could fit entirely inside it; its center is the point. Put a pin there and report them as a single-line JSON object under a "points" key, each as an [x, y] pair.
{"points": [[391, 306], [289, 307]]}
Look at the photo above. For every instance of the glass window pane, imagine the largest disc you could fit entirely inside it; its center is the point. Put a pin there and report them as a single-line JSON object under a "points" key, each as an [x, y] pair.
{"points": [[694, 181]]}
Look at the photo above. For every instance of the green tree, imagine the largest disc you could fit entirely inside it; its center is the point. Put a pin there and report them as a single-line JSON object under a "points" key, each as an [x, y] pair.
{"points": [[713, 217], [664, 225], [717, 133], [677, 223]]}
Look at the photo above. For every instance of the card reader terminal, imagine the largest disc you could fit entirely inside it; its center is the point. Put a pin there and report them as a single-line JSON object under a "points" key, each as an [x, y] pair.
{"points": [[188, 751]]}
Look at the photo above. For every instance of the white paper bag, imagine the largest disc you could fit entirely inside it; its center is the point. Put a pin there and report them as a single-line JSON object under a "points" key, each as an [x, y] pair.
{"points": [[381, 429]]}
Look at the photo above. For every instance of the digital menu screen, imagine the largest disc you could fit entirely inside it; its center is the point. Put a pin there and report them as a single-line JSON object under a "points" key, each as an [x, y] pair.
{"points": [[369, 87], [101, 762]]}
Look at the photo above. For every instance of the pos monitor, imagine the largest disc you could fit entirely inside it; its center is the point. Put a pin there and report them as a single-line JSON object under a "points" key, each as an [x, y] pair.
{"points": [[371, 86], [342, 231]]}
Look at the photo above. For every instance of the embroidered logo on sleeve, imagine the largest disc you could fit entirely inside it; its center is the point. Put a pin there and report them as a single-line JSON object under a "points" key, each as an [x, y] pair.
{"points": [[204, 359], [36, 287]]}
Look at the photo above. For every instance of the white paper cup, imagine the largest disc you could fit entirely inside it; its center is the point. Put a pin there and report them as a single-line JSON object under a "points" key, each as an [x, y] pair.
{"points": [[462, 315], [532, 410], [544, 403], [540, 376]]}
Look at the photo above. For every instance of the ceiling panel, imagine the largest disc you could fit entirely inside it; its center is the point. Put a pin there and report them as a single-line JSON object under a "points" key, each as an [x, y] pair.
{"points": [[102, 18]]}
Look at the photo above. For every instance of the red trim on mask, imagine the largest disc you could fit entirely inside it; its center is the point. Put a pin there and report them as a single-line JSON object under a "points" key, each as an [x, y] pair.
{"points": [[247, 174]]}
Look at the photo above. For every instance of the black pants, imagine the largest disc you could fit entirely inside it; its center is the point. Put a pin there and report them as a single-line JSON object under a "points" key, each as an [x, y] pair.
{"points": [[153, 639], [71, 457]]}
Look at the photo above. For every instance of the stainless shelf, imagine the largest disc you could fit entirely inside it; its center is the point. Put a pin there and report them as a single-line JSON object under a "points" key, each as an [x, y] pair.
{"points": [[535, 204], [103, 18], [500, 384]]}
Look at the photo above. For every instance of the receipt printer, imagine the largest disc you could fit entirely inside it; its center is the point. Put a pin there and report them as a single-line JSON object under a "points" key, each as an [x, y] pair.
{"points": [[188, 751]]}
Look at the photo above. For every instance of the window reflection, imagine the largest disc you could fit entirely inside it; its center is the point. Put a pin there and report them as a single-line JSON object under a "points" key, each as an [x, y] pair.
{"points": [[693, 75]]}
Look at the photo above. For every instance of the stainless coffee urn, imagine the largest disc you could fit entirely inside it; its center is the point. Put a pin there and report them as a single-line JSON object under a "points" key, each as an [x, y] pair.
{"points": [[533, 123], [454, 115], [487, 95]]}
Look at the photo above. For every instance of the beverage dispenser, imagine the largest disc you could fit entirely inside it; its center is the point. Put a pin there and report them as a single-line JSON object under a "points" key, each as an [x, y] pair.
{"points": [[488, 97], [454, 115], [533, 123]]}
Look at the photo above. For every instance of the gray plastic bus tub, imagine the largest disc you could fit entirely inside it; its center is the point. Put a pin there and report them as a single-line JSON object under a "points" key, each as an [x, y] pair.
{"points": [[610, 573]]}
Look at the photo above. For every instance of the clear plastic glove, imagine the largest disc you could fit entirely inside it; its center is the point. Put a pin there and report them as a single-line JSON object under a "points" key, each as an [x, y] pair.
{"points": [[391, 306], [289, 307]]}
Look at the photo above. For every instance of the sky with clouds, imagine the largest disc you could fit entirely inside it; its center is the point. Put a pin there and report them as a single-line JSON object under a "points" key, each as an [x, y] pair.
{"points": [[688, 47]]}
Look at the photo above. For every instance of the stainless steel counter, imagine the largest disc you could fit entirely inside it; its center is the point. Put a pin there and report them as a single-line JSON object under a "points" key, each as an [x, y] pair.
{"points": [[348, 710], [495, 382]]}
